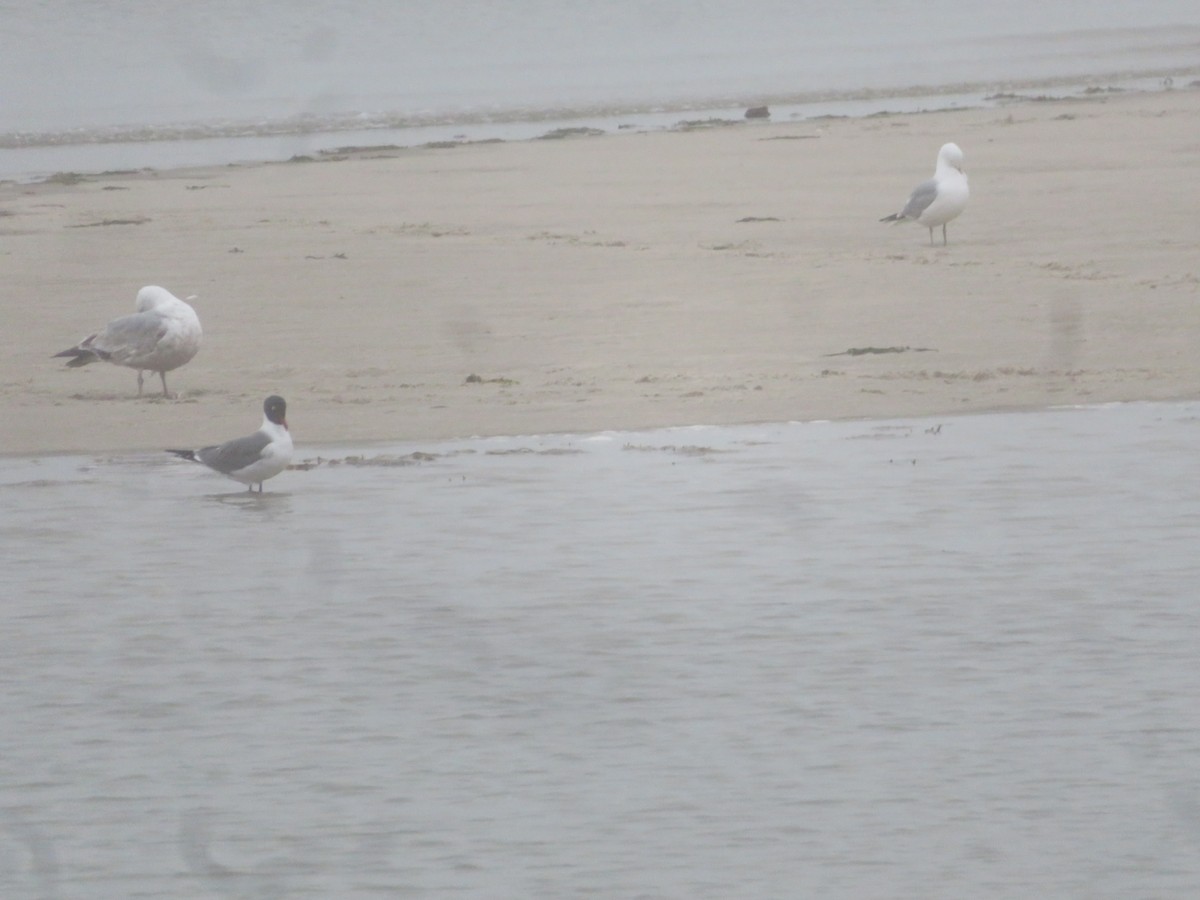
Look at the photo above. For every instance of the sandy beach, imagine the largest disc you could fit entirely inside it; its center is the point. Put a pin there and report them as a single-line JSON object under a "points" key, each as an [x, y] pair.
{"points": [[719, 275]]}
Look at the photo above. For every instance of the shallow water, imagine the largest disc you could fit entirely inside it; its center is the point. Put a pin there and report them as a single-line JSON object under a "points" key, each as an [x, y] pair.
{"points": [[935, 658], [87, 87]]}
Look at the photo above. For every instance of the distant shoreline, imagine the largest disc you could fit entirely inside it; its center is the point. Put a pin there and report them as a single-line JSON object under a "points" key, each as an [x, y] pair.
{"points": [[29, 157]]}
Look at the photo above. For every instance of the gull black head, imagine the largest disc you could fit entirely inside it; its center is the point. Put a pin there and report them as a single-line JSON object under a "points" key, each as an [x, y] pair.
{"points": [[275, 409]]}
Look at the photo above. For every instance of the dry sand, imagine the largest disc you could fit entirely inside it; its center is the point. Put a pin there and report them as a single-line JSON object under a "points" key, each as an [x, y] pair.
{"points": [[625, 281]]}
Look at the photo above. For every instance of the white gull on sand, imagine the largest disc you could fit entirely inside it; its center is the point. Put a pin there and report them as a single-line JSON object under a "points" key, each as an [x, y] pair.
{"points": [[942, 198], [161, 336], [254, 458]]}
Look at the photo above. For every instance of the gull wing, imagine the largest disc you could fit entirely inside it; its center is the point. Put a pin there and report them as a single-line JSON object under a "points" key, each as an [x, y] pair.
{"points": [[922, 196], [236, 454], [129, 338]]}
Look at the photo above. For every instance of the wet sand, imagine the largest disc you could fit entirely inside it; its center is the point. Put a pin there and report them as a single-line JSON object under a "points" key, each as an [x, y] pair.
{"points": [[718, 276]]}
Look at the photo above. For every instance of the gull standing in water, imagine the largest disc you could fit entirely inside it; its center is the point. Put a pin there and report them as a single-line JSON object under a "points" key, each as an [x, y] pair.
{"points": [[254, 458], [161, 336], [940, 199]]}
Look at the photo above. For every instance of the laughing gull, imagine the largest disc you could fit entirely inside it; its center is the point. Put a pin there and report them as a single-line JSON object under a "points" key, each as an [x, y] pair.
{"points": [[940, 199], [254, 458], [162, 335]]}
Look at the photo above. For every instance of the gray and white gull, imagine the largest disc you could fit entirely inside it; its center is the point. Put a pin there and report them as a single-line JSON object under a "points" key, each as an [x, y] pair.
{"points": [[256, 457], [161, 336], [942, 198]]}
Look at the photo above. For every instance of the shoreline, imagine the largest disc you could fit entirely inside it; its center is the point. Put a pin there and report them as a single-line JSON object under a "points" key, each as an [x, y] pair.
{"points": [[308, 453], [171, 146], [623, 282]]}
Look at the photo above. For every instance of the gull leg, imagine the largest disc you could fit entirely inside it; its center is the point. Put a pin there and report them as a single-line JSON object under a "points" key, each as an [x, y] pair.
{"points": [[930, 235], [163, 376], [139, 382], [943, 235]]}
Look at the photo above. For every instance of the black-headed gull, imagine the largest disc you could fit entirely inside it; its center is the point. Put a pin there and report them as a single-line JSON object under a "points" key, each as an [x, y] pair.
{"points": [[254, 458], [161, 336], [942, 198]]}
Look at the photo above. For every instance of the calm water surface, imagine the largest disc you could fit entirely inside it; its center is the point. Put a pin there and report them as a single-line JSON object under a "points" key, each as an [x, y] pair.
{"points": [[929, 658], [104, 84]]}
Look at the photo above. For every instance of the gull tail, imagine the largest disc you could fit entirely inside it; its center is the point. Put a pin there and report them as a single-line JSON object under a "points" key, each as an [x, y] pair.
{"points": [[81, 356], [83, 353], [185, 454]]}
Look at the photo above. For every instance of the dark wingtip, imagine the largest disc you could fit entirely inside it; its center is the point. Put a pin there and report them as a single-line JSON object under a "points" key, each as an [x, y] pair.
{"points": [[80, 356], [185, 454]]}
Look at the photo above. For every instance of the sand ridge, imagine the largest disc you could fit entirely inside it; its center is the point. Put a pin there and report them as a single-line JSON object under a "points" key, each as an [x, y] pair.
{"points": [[716, 276]]}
